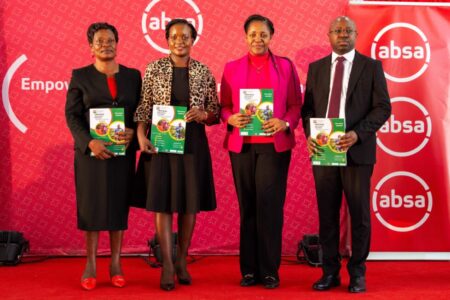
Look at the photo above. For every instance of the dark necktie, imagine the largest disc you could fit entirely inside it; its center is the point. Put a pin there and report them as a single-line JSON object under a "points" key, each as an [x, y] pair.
{"points": [[335, 98]]}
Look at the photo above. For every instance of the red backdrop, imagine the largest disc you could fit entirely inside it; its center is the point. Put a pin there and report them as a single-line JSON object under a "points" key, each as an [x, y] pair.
{"points": [[41, 41]]}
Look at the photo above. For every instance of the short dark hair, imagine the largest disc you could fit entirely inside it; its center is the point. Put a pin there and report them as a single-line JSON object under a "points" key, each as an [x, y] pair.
{"points": [[181, 21], [94, 27], [263, 19]]}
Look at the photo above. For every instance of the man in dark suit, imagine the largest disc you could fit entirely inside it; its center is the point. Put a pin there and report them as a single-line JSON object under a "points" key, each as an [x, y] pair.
{"points": [[346, 84]]}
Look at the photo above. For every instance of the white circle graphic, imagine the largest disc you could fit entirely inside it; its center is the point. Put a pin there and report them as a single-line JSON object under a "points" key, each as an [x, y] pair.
{"points": [[427, 191], [427, 135], [424, 39], [149, 39]]}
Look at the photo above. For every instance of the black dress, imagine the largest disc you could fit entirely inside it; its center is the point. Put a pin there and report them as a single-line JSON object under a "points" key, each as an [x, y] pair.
{"points": [[180, 183], [103, 187]]}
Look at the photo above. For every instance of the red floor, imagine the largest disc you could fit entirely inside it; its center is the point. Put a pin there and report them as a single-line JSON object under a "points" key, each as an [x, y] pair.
{"points": [[217, 277]]}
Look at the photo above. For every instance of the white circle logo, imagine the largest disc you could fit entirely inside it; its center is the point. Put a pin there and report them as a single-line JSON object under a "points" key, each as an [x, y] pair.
{"points": [[408, 129], [402, 201], [155, 19], [398, 42]]}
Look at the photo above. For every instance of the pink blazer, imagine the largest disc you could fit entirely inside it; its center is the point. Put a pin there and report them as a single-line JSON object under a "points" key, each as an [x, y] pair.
{"points": [[287, 99]]}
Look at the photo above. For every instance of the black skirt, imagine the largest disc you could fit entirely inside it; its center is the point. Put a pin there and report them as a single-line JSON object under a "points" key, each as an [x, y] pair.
{"points": [[181, 183], [104, 190]]}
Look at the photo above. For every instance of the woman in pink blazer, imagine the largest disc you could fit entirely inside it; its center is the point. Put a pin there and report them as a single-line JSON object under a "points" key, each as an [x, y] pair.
{"points": [[260, 163]]}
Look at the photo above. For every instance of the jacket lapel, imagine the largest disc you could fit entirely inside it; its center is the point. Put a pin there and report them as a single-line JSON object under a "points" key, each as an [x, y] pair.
{"points": [[357, 67], [324, 77]]}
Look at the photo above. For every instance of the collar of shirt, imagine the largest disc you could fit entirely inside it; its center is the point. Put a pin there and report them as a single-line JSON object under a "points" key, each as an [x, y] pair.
{"points": [[349, 56]]}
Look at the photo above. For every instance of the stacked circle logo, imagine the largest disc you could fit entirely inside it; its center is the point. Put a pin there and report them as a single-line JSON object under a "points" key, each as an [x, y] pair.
{"points": [[159, 12], [404, 50], [402, 201], [408, 129]]}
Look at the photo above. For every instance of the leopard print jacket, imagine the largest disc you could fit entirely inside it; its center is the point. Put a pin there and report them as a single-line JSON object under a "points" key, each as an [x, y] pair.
{"points": [[157, 88]]}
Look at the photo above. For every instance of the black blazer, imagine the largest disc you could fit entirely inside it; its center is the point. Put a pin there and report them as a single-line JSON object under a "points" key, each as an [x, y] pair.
{"points": [[367, 104], [88, 88]]}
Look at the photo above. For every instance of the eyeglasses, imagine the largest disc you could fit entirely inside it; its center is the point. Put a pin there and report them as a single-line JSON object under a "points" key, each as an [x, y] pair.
{"points": [[262, 35], [100, 43], [184, 38], [339, 31]]}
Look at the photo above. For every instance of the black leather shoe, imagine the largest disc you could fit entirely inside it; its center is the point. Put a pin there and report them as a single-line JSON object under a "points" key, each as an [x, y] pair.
{"points": [[327, 282], [248, 280], [357, 284], [271, 282]]}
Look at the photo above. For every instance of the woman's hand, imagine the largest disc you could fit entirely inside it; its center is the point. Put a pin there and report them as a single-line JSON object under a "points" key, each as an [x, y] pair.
{"points": [[99, 149], [126, 137], [146, 146], [239, 120], [274, 125], [196, 114], [144, 143]]}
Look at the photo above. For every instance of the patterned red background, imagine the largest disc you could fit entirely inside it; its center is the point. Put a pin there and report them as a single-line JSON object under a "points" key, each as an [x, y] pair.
{"points": [[37, 186]]}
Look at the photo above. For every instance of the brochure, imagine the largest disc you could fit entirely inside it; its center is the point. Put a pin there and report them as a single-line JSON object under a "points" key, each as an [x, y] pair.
{"points": [[106, 124], [327, 132], [168, 130], [257, 103]]}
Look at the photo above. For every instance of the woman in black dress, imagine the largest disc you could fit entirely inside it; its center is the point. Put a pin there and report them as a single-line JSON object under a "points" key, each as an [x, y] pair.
{"points": [[102, 180], [178, 183]]}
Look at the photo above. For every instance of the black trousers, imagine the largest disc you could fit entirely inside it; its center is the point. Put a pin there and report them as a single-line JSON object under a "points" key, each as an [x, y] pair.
{"points": [[260, 177], [354, 181]]}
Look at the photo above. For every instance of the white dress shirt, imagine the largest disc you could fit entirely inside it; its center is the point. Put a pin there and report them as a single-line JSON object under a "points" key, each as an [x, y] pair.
{"points": [[348, 62]]}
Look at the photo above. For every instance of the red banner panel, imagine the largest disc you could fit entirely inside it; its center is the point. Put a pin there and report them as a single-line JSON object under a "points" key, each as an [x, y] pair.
{"points": [[410, 199]]}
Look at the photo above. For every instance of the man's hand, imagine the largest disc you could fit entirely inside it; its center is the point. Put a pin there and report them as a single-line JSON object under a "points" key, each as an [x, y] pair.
{"points": [[99, 149], [347, 140]]}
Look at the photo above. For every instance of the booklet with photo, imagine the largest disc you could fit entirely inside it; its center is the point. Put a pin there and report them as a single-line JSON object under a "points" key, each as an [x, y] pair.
{"points": [[326, 133], [106, 124], [168, 130], [257, 103]]}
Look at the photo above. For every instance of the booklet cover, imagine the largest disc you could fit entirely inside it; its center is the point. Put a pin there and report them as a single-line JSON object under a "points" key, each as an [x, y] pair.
{"points": [[106, 124], [168, 130], [327, 132], [257, 103]]}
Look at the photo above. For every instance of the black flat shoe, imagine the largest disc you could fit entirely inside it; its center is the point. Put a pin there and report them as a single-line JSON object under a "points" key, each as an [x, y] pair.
{"points": [[248, 280], [184, 279], [357, 284], [167, 282], [271, 282], [167, 286], [327, 282]]}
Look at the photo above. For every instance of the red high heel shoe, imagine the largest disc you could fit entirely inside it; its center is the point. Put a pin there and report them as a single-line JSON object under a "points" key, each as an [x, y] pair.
{"points": [[118, 281], [88, 283]]}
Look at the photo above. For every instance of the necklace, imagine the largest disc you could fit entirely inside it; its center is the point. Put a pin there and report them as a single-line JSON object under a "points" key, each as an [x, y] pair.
{"points": [[258, 68]]}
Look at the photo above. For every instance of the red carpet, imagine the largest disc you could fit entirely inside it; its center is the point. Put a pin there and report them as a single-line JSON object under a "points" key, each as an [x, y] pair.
{"points": [[217, 277]]}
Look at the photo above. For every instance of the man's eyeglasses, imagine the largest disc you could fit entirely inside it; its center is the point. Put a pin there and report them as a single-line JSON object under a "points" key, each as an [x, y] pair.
{"points": [[100, 43], [339, 31]]}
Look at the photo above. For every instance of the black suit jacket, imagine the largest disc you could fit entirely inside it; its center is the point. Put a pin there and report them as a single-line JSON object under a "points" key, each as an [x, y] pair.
{"points": [[88, 88], [367, 104]]}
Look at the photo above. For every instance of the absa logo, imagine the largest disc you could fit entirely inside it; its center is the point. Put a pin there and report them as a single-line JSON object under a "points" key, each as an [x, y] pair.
{"points": [[402, 201], [404, 50], [408, 129], [159, 12]]}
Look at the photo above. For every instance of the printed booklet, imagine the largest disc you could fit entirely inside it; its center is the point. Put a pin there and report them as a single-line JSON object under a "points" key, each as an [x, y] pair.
{"points": [[168, 130], [106, 124], [326, 133], [257, 103]]}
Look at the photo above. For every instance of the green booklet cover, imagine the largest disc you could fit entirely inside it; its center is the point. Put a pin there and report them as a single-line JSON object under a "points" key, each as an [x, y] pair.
{"points": [[106, 124], [168, 130], [326, 133], [257, 103]]}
